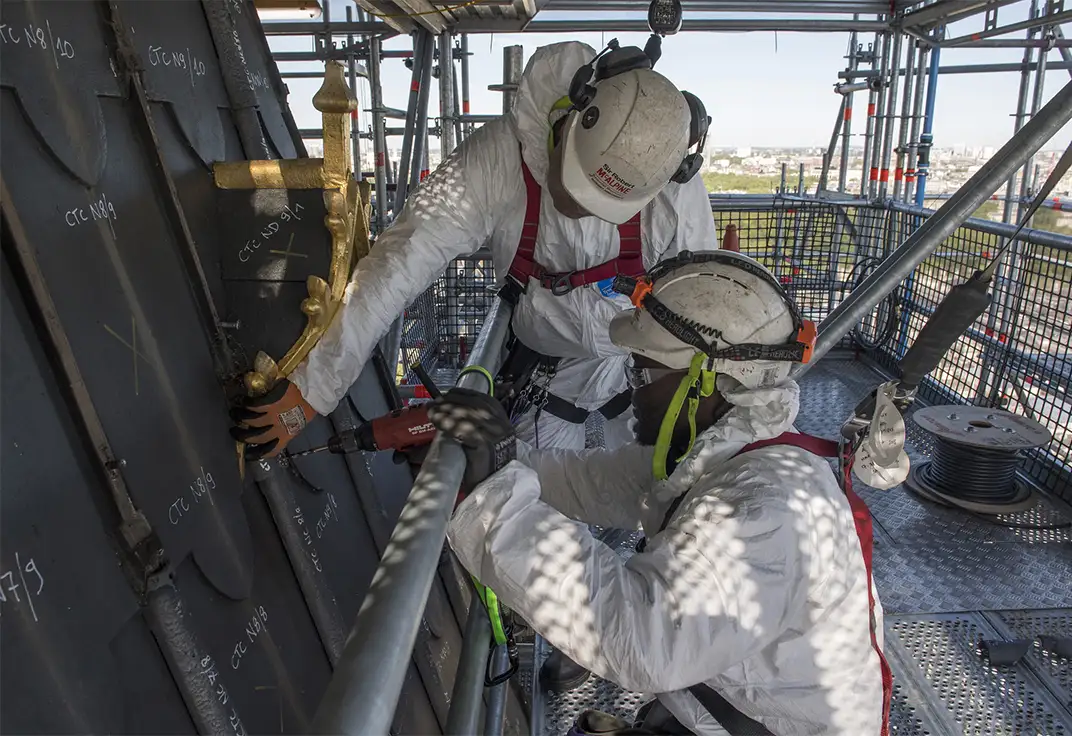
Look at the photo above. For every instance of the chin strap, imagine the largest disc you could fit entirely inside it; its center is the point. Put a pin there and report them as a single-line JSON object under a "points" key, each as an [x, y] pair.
{"points": [[698, 384]]}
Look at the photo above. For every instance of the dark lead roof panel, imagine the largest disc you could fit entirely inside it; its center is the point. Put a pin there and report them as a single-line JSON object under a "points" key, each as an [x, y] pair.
{"points": [[108, 204]]}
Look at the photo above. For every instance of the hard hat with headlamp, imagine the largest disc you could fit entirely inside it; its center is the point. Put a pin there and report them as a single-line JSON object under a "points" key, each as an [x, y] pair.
{"points": [[709, 313]]}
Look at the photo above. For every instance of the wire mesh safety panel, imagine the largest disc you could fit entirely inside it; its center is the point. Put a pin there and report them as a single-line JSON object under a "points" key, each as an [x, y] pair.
{"points": [[1018, 355], [817, 250], [442, 324]]}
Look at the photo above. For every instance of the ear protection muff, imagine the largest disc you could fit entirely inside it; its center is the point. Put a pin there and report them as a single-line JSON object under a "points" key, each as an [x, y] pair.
{"points": [[615, 60], [699, 122], [610, 62]]}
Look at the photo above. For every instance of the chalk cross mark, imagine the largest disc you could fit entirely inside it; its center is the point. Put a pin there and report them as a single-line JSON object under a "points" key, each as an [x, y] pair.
{"points": [[132, 346], [288, 252]]}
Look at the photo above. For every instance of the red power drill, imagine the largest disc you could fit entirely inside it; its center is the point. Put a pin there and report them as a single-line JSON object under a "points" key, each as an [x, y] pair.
{"points": [[402, 429]]}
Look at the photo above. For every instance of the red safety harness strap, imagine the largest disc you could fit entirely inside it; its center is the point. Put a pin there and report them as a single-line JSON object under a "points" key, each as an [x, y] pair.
{"points": [[630, 260], [862, 518]]}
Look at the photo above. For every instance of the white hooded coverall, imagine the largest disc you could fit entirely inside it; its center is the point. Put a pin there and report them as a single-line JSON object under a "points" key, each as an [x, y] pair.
{"points": [[757, 586], [477, 196]]}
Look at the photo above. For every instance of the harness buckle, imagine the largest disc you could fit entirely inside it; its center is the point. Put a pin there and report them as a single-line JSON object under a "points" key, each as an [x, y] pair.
{"points": [[558, 284]]}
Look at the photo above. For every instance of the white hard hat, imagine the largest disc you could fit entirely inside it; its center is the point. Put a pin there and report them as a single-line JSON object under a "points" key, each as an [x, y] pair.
{"points": [[621, 149], [730, 301]]}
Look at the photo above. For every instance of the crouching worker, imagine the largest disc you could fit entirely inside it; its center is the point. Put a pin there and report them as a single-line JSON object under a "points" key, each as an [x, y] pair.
{"points": [[750, 609]]}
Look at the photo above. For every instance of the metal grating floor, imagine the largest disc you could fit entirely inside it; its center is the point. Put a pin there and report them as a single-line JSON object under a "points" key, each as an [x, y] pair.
{"points": [[946, 580]]}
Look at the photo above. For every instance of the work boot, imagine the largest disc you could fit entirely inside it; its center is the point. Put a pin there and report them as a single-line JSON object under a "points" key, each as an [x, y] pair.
{"points": [[561, 674], [597, 723]]}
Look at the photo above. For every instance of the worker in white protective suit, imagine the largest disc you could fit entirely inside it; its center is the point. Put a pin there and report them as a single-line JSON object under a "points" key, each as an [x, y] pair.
{"points": [[751, 608], [589, 176]]}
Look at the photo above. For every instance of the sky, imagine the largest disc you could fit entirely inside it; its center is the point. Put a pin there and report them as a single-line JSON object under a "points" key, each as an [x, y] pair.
{"points": [[762, 89]]}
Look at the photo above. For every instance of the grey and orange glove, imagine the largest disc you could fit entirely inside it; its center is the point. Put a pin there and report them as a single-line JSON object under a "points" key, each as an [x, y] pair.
{"points": [[267, 423]]}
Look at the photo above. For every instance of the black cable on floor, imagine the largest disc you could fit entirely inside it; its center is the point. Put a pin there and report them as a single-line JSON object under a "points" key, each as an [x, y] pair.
{"points": [[978, 475]]}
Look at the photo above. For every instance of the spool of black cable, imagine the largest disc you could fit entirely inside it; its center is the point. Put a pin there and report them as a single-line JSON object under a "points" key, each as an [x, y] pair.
{"points": [[976, 453]]}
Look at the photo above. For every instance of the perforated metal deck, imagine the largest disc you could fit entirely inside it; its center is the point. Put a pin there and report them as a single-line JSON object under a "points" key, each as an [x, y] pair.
{"points": [[946, 579]]}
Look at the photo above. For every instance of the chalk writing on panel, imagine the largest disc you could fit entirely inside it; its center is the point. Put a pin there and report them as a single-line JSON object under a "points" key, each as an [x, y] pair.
{"points": [[102, 209], [19, 587], [310, 548], [327, 515], [269, 231], [258, 624], [181, 60], [199, 490], [210, 673], [38, 38]]}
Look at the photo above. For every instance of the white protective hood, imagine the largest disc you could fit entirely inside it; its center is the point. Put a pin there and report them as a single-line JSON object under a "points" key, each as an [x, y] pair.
{"points": [[546, 80], [757, 586]]}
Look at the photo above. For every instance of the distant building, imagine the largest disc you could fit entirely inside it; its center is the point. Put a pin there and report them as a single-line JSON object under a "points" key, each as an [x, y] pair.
{"points": [[743, 152]]}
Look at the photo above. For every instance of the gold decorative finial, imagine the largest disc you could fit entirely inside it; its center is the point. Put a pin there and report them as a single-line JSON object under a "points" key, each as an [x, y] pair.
{"points": [[334, 95], [346, 202]]}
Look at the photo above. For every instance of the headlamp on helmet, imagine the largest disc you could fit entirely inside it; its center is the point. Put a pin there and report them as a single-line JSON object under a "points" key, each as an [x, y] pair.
{"points": [[798, 349]]}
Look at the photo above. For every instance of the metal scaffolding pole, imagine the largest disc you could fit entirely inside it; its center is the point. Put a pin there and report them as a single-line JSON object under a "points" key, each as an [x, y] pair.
{"points": [[422, 46], [465, 83], [926, 138], [1009, 210], [364, 690], [1008, 213], [447, 112], [1050, 19], [465, 699], [355, 131], [828, 154], [459, 127], [902, 136], [890, 116], [409, 168], [1012, 265], [420, 127], [379, 139], [917, 114], [846, 126], [872, 98], [817, 25], [942, 223], [1016, 43], [877, 139], [969, 69], [513, 66], [1026, 191]]}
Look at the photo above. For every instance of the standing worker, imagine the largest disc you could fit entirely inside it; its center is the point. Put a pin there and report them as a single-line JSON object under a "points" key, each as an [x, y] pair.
{"points": [[751, 608], [590, 175]]}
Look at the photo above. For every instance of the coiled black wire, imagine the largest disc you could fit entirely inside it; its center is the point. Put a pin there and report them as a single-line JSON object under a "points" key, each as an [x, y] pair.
{"points": [[889, 305], [972, 474], [977, 475]]}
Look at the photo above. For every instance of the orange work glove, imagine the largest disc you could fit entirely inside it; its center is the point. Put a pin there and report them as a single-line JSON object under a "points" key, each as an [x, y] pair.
{"points": [[267, 423]]}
